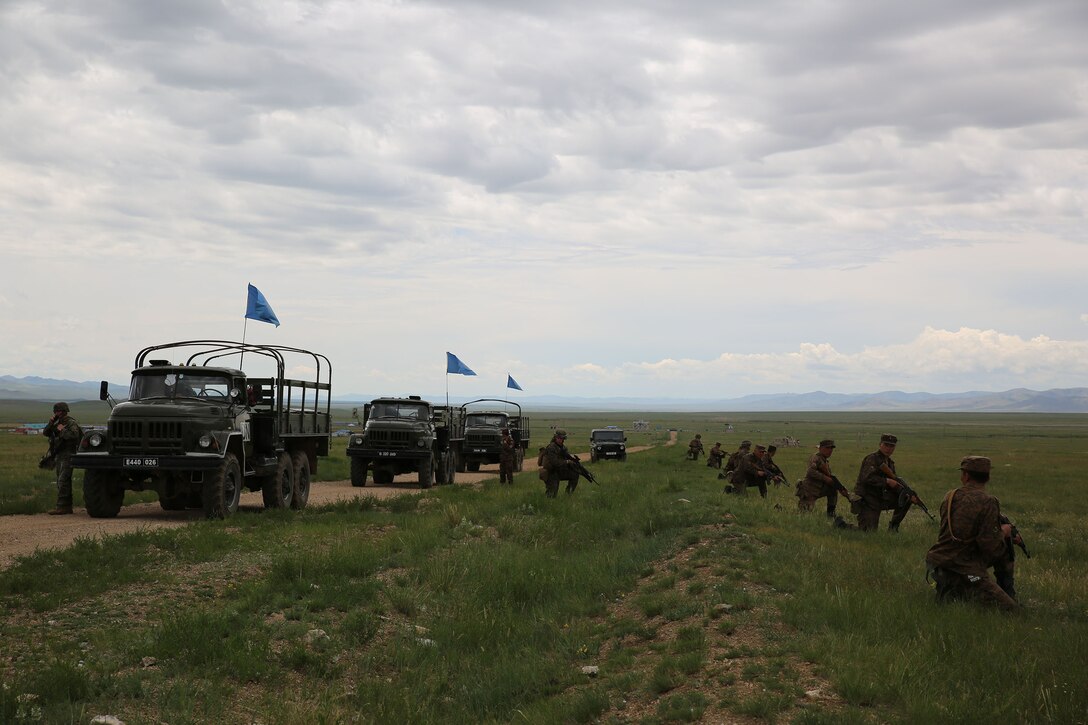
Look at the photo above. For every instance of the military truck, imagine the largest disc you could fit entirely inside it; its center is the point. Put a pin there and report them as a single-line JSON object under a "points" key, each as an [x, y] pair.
{"points": [[403, 435], [607, 444], [199, 431], [479, 440]]}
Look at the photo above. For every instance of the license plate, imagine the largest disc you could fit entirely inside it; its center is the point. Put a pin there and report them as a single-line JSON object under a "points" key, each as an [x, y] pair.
{"points": [[479, 450], [140, 463], [387, 454]]}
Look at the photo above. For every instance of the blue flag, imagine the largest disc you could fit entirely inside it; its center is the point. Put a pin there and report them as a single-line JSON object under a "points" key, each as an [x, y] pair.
{"points": [[454, 365], [511, 383], [257, 308]]}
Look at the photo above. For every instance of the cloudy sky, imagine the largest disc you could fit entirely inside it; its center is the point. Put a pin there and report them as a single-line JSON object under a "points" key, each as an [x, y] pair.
{"points": [[685, 199]]}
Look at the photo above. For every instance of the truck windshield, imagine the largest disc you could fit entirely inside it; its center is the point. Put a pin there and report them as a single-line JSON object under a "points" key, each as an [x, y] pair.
{"points": [[608, 435], [489, 420], [410, 411], [178, 385]]}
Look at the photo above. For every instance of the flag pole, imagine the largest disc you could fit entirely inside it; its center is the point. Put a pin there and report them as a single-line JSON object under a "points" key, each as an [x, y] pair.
{"points": [[242, 355]]}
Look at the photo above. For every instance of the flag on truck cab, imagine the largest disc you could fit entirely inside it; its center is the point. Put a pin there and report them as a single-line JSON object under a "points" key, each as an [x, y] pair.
{"points": [[455, 366], [257, 308], [511, 383]]}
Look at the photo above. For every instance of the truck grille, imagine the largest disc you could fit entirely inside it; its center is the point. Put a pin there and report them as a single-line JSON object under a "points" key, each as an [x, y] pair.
{"points": [[388, 438], [150, 436], [482, 438]]}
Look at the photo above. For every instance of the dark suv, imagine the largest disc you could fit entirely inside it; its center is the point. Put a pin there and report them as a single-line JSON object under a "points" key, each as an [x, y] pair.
{"points": [[607, 444]]}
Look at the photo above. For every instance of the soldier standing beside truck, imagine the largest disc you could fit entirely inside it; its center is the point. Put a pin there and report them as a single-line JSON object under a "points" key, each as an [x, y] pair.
{"points": [[63, 433], [506, 457]]}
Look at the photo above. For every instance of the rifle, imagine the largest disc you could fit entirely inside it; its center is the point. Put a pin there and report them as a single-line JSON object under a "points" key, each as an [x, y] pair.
{"points": [[842, 490], [1014, 537], [776, 473], [580, 469], [839, 487], [906, 493], [49, 460]]}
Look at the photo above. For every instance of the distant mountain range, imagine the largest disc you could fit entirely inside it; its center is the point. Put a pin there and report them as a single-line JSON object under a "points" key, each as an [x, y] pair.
{"points": [[1020, 400]]}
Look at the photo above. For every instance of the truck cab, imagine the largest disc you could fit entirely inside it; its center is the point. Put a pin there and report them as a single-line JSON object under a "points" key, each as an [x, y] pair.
{"points": [[479, 439], [403, 435], [197, 431]]}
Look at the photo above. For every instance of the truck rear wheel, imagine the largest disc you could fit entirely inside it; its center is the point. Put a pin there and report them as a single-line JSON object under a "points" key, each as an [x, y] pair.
{"points": [[426, 472], [102, 494], [279, 488], [223, 489], [302, 479], [519, 459]]}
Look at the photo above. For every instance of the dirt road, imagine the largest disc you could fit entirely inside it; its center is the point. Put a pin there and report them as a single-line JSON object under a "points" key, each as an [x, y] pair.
{"points": [[22, 535]]}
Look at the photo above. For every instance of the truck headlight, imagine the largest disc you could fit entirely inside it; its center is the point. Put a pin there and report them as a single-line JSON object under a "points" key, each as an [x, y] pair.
{"points": [[622, 447], [422, 443], [95, 440], [205, 441], [357, 441]]}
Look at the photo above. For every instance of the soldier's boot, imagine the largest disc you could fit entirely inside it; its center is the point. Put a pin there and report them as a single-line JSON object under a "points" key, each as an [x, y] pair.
{"points": [[61, 510], [840, 523], [831, 513], [897, 518]]}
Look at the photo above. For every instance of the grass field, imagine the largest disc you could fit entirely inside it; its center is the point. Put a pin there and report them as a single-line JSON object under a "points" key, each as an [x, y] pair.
{"points": [[483, 604]]}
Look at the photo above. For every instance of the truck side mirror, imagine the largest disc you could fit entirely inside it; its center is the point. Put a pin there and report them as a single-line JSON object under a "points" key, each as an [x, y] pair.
{"points": [[104, 390]]}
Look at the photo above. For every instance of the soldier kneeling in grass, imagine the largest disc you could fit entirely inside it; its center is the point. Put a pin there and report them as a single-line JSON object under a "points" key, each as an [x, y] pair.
{"points": [[973, 539]]}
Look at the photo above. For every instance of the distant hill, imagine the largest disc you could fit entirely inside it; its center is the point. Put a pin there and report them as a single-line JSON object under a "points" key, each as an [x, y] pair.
{"points": [[1019, 400], [49, 389]]}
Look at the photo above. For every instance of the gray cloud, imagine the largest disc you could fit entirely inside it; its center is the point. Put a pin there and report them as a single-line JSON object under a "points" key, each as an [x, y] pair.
{"points": [[777, 165]]}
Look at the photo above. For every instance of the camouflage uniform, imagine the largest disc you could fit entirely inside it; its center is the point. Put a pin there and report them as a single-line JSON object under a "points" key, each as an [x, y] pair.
{"points": [[506, 458], [817, 484], [557, 467], [64, 434], [969, 543], [874, 494], [773, 471], [750, 473], [734, 460], [695, 447], [714, 456]]}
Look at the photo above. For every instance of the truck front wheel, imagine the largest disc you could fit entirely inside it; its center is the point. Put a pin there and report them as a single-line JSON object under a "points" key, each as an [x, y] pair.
{"points": [[358, 472], [426, 472], [102, 494], [223, 489], [279, 488]]}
